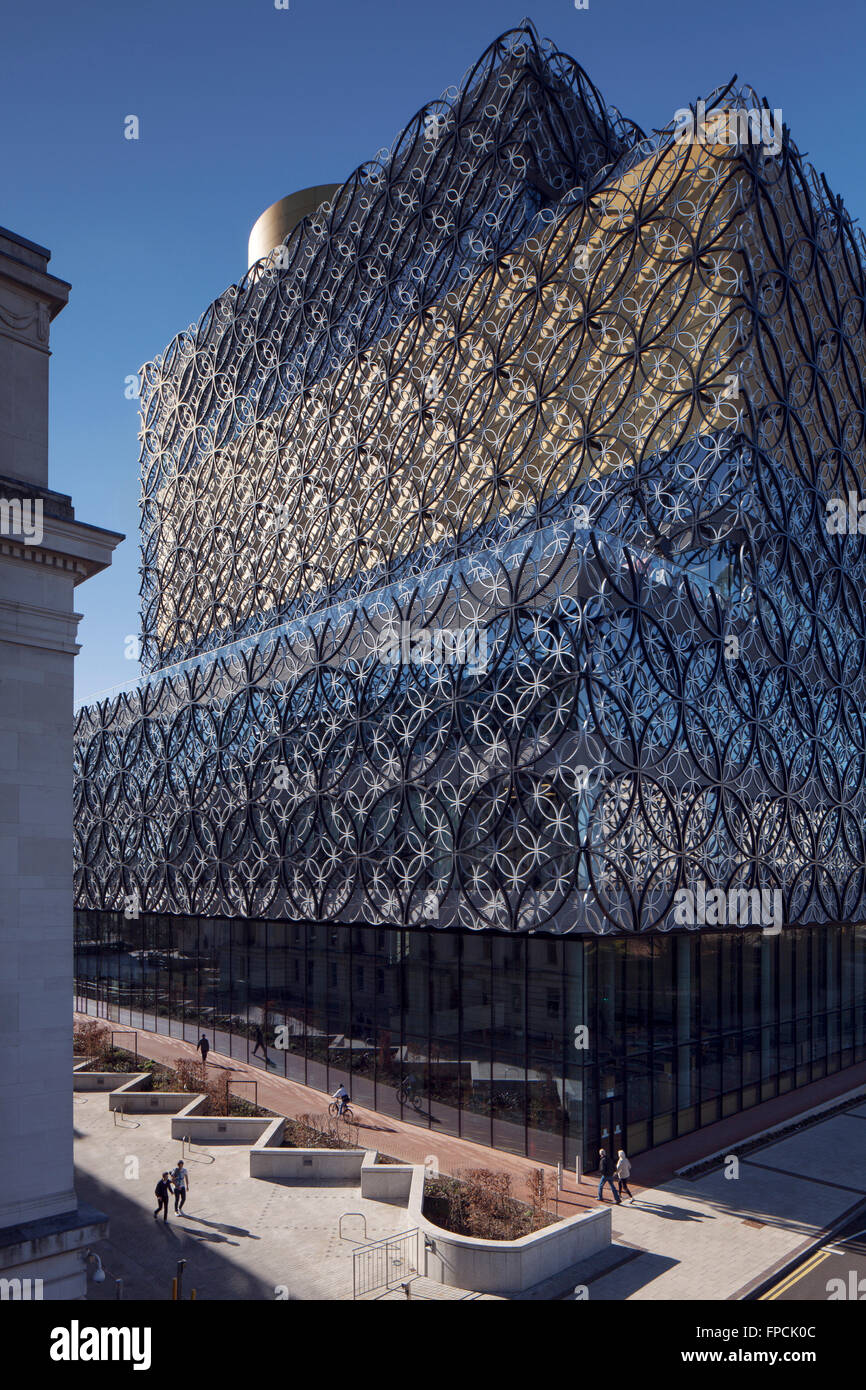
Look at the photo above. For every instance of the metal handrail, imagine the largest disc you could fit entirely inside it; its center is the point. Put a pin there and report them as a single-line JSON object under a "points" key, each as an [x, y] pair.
{"points": [[383, 1279], [242, 1081], [126, 1033], [187, 1151], [127, 1123], [352, 1213], [389, 1240]]}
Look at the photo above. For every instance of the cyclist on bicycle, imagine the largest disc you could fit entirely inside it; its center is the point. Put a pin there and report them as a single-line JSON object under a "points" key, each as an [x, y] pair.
{"points": [[341, 1095]]}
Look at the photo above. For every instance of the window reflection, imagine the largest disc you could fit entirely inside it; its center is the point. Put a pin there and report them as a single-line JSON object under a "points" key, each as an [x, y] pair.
{"points": [[534, 1044]]}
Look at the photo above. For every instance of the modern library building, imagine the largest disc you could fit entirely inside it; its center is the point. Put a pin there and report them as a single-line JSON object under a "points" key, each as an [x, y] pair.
{"points": [[500, 749]]}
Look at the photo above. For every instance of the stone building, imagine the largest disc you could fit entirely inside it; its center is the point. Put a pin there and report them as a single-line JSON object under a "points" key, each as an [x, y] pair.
{"points": [[44, 554]]}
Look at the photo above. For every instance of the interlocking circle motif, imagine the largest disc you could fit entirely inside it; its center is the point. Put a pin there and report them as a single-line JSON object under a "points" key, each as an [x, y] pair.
{"points": [[487, 578]]}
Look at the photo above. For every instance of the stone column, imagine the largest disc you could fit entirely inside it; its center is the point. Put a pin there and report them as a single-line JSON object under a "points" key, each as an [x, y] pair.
{"points": [[44, 554]]}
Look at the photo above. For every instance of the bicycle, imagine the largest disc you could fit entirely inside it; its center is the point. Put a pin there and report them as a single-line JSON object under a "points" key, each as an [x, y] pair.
{"points": [[407, 1095], [334, 1110]]}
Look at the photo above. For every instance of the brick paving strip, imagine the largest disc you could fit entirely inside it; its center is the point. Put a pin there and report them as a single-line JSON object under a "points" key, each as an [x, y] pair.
{"points": [[397, 1138], [682, 1239]]}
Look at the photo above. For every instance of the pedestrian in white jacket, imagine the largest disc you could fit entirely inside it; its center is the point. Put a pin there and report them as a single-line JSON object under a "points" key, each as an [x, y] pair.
{"points": [[623, 1173]]}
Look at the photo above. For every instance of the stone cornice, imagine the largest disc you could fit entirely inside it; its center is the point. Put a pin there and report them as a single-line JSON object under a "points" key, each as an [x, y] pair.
{"points": [[26, 273], [58, 504], [69, 545], [40, 555]]}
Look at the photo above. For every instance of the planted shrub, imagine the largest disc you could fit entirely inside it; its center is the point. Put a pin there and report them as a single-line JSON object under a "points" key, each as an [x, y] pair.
{"points": [[92, 1040], [542, 1191], [193, 1076], [320, 1132], [479, 1202]]}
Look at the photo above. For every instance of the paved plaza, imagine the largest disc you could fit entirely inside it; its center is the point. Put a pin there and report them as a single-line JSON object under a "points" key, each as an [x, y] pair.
{"points": [[242, 1238], [715, 1237]]}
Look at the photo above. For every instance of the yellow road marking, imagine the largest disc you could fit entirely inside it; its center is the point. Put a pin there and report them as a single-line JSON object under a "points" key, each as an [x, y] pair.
{"points": [[797, 1275]]}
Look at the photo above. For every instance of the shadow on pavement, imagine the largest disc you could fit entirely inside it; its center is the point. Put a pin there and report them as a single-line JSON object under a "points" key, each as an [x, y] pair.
{"points": [[671, 1213], [221, 1226], [212, 1237], [146, 1258], [627, 1278]]}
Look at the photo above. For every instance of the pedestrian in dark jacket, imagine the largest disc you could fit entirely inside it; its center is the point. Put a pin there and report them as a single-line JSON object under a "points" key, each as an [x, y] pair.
{"points": [[606, 1168], [203, 1046], [261, 1045], [163, 1192]]}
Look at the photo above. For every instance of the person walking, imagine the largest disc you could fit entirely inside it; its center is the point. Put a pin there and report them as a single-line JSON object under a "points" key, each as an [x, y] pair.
{"points": [[203, 1046], [162, 1192], [180, 1182], [607, 1170], [623, 1173], [260, 1043]]}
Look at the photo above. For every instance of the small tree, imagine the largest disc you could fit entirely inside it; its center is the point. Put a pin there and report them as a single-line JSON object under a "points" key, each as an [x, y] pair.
{"points": [[193, 1076], [188, 1075], [542, 1192], [91, 1040]]}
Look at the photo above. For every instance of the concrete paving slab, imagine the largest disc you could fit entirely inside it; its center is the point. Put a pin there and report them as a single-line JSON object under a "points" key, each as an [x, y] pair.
{"points": [[833, 1151], [720, 1233], [706, 1239], [242, 1238], [796, 1203]]}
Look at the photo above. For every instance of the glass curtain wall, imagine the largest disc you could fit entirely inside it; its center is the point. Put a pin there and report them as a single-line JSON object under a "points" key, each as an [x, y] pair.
{"points": [[546, 1046]]}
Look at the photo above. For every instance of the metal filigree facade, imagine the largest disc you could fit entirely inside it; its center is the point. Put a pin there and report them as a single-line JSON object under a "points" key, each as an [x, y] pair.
{"points": [[535, 376]]}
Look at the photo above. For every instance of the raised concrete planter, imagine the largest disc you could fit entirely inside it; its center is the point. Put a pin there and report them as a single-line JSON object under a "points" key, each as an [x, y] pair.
{"points": [[386, 1182], [217, 1129], [466, 1262], [102, 1080], [507, 1266], [136, 1098], [347, 1167], [336, 1167]]}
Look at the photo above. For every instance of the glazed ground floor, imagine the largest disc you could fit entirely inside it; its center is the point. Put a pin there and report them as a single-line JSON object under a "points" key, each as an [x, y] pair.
{"points": [[545, 1046]]}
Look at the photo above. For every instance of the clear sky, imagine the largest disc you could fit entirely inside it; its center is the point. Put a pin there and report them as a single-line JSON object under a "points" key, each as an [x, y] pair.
{"points": [[240, 103]]}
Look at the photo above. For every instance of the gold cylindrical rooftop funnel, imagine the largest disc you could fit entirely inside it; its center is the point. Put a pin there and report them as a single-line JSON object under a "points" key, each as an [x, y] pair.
{"points": [[275, 223]]}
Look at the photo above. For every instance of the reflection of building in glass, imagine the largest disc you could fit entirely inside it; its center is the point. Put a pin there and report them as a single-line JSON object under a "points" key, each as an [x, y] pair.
{"points": [[588, 392], [684, 1027]]}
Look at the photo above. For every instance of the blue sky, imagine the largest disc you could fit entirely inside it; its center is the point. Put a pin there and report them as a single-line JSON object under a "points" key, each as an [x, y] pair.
{"points": [[240, 103]]}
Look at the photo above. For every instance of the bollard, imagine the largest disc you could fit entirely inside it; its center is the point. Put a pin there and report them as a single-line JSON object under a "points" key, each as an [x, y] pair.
{"points": [[180, 1269], [192, 1296], [118, 1288], [174, 1290]]}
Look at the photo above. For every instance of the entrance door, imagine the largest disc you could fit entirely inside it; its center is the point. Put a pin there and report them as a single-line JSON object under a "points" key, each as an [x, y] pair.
{"points": [[610, 1126]]}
